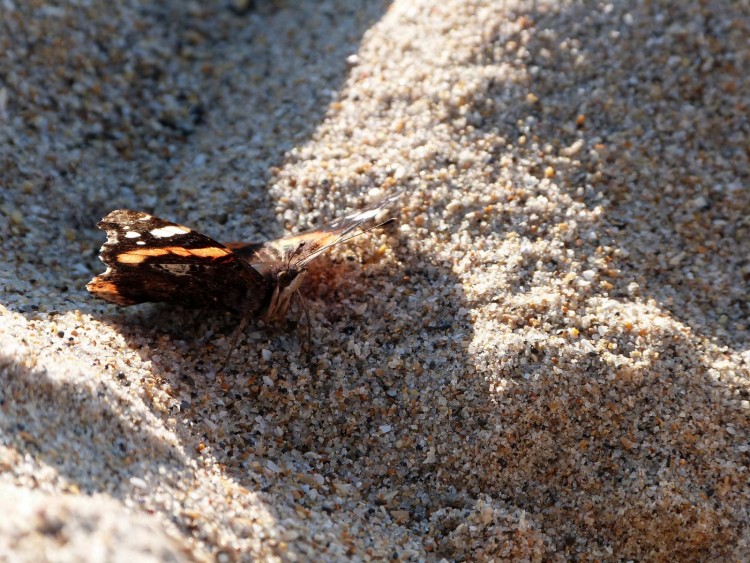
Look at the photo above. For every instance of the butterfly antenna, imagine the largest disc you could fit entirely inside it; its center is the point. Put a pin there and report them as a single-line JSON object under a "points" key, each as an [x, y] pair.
{"points": [[240, 329], [303, 305], [367, 230]]}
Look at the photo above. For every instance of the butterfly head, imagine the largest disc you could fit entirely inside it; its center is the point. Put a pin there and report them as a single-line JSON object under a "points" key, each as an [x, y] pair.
{"points": [[285, 284], [284, 280]]}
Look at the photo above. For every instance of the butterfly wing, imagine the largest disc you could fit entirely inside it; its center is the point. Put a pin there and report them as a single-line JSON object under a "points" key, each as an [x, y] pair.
{"points": [[298, 250], [150, 259]]}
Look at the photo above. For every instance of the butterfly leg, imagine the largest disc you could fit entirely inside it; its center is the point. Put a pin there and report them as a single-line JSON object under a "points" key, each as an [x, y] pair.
{"points": [[303, 305], [235, 338]]}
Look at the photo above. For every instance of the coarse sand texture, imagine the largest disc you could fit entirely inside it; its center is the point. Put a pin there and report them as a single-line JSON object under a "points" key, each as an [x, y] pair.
{"points": [[546, 358]]}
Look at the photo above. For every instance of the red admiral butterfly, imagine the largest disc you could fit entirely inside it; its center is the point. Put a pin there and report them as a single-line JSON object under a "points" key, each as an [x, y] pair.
{"points": [[153, 260]]}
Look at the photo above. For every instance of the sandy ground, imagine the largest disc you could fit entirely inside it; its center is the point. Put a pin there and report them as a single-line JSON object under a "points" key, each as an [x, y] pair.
{"points": [[545, 359]]}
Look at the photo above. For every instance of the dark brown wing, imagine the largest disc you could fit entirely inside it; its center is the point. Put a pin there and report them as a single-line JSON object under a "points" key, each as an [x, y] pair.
{"points": [[150, 259], [298, 250]]}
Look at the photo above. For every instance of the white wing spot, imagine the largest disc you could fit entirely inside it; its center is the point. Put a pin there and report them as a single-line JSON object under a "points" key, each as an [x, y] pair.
{"points": [[146, 217], [170, 231], [365, 215], [132, 234], [141, 243]]}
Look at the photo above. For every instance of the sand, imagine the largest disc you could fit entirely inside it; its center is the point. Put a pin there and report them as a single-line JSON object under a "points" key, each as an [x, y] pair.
{"points": [[546, 358]]}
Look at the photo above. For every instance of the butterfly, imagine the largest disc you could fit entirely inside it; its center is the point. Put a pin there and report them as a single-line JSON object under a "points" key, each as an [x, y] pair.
{"points": [[150, 259]]}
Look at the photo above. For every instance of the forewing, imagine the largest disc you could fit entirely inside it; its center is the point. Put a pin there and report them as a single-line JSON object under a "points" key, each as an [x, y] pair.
{"points": [[298, 250], [150, 259]]}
